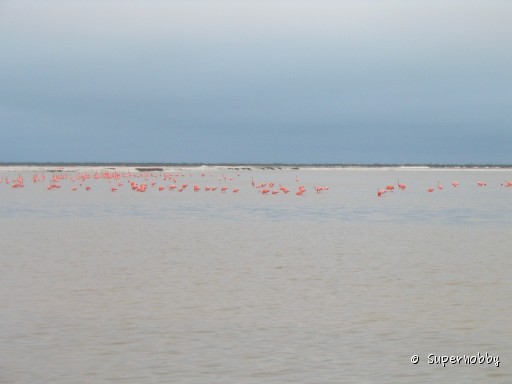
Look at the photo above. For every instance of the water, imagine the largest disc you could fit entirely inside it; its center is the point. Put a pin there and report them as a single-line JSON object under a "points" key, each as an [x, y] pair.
{"points": [[210, 287]]}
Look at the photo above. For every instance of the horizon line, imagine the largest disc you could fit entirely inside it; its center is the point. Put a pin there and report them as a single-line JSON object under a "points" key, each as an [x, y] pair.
{"points": [[198, 164]]}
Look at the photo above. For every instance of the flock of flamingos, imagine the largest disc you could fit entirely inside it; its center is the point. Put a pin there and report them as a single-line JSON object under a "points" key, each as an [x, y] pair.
{"points": [[140, 182], [455, 184]]}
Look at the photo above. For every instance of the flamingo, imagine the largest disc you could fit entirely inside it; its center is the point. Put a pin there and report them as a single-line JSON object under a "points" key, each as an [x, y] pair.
{"points": [[430, 189], [18, 183], [284, 189], [380, 192], [439, 186], [319, 189], [300, 191], [54, 186], [401, 186], [455, 184]]}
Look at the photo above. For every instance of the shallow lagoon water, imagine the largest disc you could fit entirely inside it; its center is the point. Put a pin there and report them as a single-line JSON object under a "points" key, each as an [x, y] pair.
{"points": [[206, 287]]}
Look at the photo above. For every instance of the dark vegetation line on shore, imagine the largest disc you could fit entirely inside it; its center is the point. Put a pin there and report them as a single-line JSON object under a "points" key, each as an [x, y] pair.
{"points": [[255, 165]]}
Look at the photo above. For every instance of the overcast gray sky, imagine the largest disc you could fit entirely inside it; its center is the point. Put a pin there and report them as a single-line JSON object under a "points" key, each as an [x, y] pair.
{"points": [[288, 81]]}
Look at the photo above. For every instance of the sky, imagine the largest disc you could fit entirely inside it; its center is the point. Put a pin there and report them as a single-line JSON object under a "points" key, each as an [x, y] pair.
{"points": [[256, 81]]}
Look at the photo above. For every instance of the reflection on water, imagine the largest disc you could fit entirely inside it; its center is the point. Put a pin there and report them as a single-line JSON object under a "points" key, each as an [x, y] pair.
{"points": [[243, 288]]}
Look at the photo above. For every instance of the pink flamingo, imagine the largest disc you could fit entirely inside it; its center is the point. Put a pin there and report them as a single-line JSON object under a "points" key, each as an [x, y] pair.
{"points": [[300, 191]]}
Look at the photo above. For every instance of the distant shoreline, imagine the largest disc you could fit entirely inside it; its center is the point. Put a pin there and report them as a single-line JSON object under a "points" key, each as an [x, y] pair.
{"points": [[256, 165], [164, 167]]}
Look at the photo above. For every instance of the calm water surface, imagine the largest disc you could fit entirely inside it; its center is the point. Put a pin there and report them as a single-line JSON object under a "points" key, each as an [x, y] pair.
{"points": [[336, 287]]}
